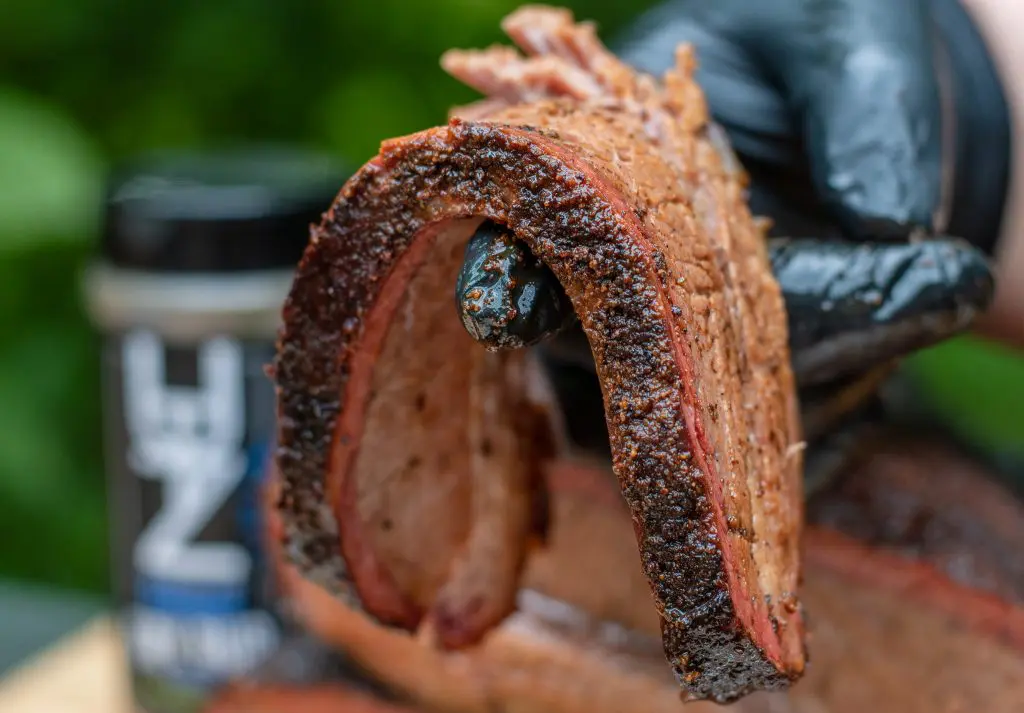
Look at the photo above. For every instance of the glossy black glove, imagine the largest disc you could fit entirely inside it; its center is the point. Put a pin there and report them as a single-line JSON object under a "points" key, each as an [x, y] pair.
{"points": [[875, 116], [843, 112], [862, 123]]}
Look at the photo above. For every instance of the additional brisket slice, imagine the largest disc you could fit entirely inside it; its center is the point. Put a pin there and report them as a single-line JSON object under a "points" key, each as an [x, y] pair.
{"points": [[923, 499], [890, 633], [894, 635], [411, 457]]}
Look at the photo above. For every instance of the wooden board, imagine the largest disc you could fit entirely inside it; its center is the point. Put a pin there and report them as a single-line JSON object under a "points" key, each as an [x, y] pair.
{"points": [[84, 673]]}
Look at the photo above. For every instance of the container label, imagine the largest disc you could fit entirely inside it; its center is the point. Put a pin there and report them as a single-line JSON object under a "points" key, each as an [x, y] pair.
{"points": [[190, 429]]}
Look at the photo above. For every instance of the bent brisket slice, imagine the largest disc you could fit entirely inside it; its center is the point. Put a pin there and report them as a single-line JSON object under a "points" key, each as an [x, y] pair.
{"points": [[411, 457]]}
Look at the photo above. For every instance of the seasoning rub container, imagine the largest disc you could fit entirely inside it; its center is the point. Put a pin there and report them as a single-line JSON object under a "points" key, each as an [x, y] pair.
{"points": [[197, 256]]}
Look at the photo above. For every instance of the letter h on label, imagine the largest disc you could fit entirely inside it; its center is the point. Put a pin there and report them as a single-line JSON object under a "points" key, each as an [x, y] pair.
{"points": [[191, 439]]}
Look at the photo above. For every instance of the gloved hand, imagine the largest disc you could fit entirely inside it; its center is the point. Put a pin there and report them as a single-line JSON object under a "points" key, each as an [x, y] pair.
{"points": [[876, 116], [863, 124]]}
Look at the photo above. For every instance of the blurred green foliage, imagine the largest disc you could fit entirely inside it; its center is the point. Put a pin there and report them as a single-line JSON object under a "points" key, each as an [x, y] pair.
{"points": [[979, 387], [84, 83]]}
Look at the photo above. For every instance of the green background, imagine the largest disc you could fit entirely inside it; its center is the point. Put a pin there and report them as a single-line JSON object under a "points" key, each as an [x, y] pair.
{"points": [[84, 83]]}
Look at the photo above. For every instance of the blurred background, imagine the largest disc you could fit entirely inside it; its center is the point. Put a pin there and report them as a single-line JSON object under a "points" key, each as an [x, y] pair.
{"points": [[85, 83]]}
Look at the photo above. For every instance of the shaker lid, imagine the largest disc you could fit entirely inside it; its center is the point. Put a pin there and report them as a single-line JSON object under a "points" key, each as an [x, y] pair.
{"points": [[220, 211]]}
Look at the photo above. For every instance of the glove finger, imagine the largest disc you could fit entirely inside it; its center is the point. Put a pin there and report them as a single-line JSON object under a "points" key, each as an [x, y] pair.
{"points": [[855, 306], [504, 296], [741, 95], [859, 76], [851, 82]]}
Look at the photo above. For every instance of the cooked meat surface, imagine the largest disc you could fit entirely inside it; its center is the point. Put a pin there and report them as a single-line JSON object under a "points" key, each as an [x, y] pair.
{"points": [[929, 502], [890, 632], [412, 458]]}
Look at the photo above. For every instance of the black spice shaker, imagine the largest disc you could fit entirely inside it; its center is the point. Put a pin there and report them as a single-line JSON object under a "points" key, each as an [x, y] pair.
{"points": [[197, 257]]}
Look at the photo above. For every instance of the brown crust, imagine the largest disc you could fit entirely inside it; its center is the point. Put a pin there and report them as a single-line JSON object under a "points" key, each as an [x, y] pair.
{"points": [[338, 281], [648, 232]]}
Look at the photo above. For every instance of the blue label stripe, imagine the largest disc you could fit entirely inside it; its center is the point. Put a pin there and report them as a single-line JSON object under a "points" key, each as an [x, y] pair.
{"points": [[190, 599], [250, 517]]}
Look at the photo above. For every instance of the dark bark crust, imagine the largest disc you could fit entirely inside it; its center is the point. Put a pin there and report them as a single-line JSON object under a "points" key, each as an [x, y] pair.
{"points": [[588, 234]]}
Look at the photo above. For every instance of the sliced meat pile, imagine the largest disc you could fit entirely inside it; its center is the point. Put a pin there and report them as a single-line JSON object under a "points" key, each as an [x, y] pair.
{"points": [[924, 500], [412, 459], [892, 632]]}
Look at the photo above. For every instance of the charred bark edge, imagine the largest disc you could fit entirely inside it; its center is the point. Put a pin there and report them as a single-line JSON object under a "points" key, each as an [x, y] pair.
{"points": [[385, 206]]}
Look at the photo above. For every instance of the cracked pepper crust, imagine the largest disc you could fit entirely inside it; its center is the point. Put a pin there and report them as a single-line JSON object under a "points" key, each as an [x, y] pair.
{"points": [[668, 273]]}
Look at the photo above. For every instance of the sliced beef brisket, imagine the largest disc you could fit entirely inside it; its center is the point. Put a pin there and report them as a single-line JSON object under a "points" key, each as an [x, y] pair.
{"points": [[411, 458]]}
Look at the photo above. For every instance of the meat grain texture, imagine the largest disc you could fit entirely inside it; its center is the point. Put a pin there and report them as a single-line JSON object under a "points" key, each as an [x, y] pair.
{"points": [[412, 461]]}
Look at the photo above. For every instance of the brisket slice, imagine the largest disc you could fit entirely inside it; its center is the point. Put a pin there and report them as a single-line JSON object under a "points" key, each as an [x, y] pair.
{"points": [[411, 457], [927, 501], [891, 632]]}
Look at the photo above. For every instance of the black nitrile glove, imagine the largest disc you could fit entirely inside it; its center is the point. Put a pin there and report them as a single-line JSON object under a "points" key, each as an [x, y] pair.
{"points": [[862, 124], [848, 113]]}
